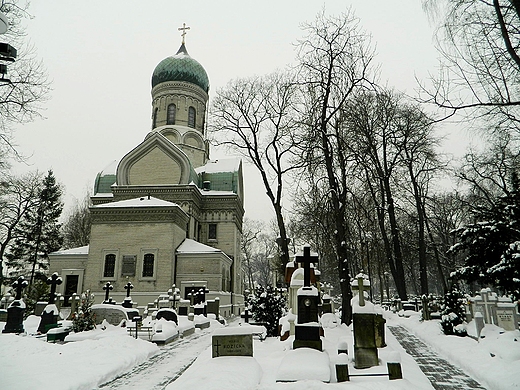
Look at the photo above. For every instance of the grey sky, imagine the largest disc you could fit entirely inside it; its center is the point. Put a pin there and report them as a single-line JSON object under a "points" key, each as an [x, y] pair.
{"points": [[100, 56]]}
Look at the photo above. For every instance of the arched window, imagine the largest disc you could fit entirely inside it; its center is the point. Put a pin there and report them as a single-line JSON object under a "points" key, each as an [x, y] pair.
{"points": [[191, 117], [110, 266], [154, 120], [170, 118], [148, 265]]}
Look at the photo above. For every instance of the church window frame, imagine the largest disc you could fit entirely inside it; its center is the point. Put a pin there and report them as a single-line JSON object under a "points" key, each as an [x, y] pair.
{"points": [[192, 117], [148, 264], [170, 114], [110, 262], [212, 232]]}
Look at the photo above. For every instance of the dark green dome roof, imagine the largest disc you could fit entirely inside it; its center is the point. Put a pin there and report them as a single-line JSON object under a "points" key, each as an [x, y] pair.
{"points": [[180, 67]]}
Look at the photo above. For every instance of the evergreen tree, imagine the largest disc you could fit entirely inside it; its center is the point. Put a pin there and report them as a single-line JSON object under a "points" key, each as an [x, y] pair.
{"points": [[452, 313], [38, 234], [491, 245], [268, 307], [84, 318]]}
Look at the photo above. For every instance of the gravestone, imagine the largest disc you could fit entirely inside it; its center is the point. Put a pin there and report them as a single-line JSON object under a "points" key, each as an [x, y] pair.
{"points": [[246, 316], [307, 328], [127, 302], [213, 306], [506, 316], [16, 310], [74, 300], [114, 314], [486, 304], [425, 308], [167, 314], [366, 326], [49, 317], [107, 287], [6, 301], [379, 323], [479, 323], [233, 341], [184, 306]]}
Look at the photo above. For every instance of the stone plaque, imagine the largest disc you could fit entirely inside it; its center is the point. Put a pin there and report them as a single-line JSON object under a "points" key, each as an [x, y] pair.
{"points": [[505, 315], [232, 345], [128, 266]]}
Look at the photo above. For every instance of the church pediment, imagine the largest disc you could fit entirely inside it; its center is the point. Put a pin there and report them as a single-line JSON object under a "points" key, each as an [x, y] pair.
{"points": [[155, 161]]}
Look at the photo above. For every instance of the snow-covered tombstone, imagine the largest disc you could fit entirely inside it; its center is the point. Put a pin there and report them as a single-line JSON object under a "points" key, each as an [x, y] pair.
{"points": [[365, 324], [16, 309], [51, 312], [486, 303], [452, 313]]}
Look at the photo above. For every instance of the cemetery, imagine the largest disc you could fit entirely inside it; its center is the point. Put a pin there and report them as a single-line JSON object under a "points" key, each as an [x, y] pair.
{"points": [[311, 344]]}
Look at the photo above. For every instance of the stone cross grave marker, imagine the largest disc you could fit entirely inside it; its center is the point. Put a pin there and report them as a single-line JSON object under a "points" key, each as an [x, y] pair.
{"points": [[107, 287], [54, 280], [16, 309], [19, 285], [306, 259], [128, 287], [246, 316], [127, 302], [360, 284], [486, 304]]}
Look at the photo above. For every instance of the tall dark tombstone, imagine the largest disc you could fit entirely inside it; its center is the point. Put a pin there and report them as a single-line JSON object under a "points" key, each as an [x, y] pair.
{"points": [[127, 302], [307, 329], [16, 309], [365, 334], [49, 317], [107, 287]]}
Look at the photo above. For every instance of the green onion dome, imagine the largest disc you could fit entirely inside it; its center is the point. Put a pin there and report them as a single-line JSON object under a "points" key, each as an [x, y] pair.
{"points": [[181, 67]]}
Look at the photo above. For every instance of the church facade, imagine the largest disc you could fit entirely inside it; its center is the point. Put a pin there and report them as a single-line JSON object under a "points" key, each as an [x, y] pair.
{"points": [[165, 213]]}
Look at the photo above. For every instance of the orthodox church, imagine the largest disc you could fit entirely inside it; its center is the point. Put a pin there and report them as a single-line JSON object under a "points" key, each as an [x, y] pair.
{"points": [[165, 213]]}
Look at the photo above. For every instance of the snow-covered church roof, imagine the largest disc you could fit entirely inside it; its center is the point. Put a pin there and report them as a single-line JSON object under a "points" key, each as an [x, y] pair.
{"points": [[145, 201], [192, 246]]}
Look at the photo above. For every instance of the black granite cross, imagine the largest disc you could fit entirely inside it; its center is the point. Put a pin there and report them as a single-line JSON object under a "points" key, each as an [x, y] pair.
{"points": [[128, 287], [107, 287], [246, 316], [54, 280], [306, 259], [19, 285]]}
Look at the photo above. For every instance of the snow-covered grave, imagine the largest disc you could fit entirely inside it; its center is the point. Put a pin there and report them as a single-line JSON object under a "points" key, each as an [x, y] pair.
{"points": [[500, 311]]}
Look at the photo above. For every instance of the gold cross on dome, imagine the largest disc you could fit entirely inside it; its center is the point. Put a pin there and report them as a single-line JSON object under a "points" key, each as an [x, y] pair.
{"points": [[183, 28]]}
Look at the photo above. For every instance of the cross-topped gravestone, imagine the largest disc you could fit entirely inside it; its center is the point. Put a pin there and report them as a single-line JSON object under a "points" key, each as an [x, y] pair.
{"points": [[306, 259], [361, 288], [486, 303], [246, 316], [15, 312], [107, 287], [54, 280], [183, 29], [19, 285], [128, 287]]}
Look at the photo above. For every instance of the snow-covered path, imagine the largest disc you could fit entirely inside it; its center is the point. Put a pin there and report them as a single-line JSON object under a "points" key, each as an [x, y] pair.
{"points": [[165, 366], [442, 374]]}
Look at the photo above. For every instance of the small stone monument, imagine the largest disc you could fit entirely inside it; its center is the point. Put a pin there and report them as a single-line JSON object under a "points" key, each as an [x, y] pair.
{"points": [[364, 322], [307, 328], [16, 309], [506, 315], [107, 287], [49, 317], [486, 304], [127, 302]]}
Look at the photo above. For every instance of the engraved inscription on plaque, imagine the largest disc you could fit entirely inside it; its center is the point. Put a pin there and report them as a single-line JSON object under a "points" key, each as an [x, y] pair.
{"points": [[128, 266]]}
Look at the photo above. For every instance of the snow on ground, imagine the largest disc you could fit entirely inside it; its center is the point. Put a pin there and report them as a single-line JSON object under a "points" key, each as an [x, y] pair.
{"points": [[494, 360], [27, 362]]}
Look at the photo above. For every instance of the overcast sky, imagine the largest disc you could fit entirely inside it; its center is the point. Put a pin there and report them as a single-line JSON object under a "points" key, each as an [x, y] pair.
{"points": [[100, 56]]}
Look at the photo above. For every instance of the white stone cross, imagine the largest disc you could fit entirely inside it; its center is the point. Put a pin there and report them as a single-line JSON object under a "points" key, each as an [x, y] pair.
{"points": [[487, 304]]}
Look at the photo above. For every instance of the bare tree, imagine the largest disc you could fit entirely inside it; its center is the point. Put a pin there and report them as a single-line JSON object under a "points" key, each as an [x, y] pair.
{"points": [[76, 229], [21, 98], [17, 197], [478, 41], [256, 118], [335, 60]]}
